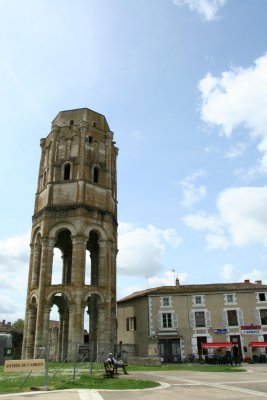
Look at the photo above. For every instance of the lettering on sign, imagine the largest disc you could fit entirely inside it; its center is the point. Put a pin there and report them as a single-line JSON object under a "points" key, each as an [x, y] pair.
{"points": [[24, 365]]}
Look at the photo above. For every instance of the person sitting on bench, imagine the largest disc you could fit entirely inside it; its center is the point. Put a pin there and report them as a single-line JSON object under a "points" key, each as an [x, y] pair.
{"points": [[115, 364]]}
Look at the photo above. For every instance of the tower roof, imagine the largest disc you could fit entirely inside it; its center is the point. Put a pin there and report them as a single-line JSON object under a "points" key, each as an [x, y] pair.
{"points": [[81, 115]]}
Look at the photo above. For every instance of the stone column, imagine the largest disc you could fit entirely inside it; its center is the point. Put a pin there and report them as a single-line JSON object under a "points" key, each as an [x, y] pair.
{"points": [[60, 335], [103, 273], [46, 265], [55, 129], [41, 166], [75, 325], [46, 324], [103, 337], [28, 343], [78, 260], [36, 264]]}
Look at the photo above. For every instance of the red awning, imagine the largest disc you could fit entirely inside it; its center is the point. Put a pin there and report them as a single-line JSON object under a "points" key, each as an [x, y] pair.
{"points": [[258, 344], [216, 344]]}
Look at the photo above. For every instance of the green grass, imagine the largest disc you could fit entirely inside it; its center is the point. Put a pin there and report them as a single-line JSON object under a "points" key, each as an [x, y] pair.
{"points": [[187, 367], [11, 382], [98, 382]]}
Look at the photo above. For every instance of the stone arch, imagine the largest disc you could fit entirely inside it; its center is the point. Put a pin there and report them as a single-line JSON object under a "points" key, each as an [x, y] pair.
{"points": [[66, 171], [93, 305], [95, 173], [62, 291], [97, 228], [59, 330], [57, 228], [63, 242], [34, 298], [36, 234], [90, 293], [61, 148]]}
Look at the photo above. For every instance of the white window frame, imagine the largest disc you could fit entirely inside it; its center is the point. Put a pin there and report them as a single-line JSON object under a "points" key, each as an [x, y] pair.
{"points": [[174, 320], [258, 297], [202, 300], [192, 319], [162, 305], [239, 314], [227, 302]]}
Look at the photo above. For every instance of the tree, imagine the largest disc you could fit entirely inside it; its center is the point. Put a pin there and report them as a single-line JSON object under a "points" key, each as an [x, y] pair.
{"points": [[18, 326]]}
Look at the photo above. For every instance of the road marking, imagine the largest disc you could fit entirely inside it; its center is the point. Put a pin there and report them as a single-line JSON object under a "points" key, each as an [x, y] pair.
{"points": [[223, 386], [89, 395]]}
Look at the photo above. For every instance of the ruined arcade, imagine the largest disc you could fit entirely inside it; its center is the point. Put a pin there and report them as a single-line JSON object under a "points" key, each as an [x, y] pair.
{"points": [[75, 212]]}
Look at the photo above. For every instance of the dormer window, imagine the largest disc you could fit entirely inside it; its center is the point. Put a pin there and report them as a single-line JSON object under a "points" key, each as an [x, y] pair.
{"points": [[66, 172]]}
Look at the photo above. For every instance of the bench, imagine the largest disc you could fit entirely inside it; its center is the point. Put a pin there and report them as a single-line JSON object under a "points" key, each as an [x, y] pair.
{"points": [[111, 370]]}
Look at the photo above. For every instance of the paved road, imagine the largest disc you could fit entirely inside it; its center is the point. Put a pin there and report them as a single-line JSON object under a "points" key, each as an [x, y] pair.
{"points": [[182, 385]]}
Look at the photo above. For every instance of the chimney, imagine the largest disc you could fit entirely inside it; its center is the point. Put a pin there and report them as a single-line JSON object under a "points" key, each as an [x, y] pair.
{"points": [[246, 281], [177, 283], [258, 282]]}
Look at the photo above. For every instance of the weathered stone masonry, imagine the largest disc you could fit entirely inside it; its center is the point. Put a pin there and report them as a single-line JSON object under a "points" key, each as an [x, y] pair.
{"points": [[75, 210]]}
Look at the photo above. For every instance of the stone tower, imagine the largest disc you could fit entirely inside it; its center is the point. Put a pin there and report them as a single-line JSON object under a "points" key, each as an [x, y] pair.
{"points": [[75, 212]]}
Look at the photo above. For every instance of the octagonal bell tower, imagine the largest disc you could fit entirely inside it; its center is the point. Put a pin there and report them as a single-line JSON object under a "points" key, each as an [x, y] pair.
{"points": [[76, 213]]}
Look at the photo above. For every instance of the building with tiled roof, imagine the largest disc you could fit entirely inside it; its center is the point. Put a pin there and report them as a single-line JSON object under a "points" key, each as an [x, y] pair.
{"points": [[171, 322], [5, 327]]}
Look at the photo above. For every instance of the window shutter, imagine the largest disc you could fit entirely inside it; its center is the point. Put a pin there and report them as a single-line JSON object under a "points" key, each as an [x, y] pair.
{"points": [[224, 318], [127, 324], [240, 317], [174, 320], [192, 319], [159, 320], [257, 317], [208, 319]]}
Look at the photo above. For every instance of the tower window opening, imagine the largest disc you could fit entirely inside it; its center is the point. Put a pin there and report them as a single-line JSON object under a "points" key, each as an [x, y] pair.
{"points": [[94, 124], [96, 174], [89, 139], [66, 172], [71, 122]]}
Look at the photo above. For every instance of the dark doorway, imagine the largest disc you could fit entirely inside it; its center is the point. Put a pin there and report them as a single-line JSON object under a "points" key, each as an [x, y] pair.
{"points": [[235, 339], [170, 350]]}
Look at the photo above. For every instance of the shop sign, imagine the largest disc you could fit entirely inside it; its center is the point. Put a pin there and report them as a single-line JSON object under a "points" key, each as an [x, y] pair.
{"points": [[251, 329], [221, 330]]}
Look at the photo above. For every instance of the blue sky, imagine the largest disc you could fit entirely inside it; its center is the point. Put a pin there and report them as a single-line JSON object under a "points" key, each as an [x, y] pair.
{"points": [[183, 85]]}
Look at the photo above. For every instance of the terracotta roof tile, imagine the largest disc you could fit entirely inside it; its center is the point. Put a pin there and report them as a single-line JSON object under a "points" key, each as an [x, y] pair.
{"points": [[194, 289]]}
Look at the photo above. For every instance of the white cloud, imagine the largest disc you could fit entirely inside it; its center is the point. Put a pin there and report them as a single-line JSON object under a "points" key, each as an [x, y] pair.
{"points": [[230, 274], [208, 9], [238, 98], [236, 150], [14, 264], [14, 249], [141, 249], [193, 193], [241, 219], [202, 221], [168, 279], [150, 281]]}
